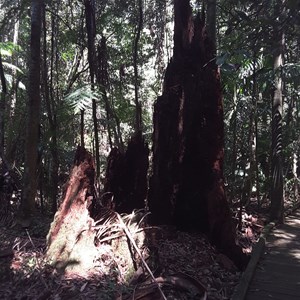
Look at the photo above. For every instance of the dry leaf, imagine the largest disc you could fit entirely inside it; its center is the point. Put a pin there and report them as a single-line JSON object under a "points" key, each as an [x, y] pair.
{"points": [[83, 287]]}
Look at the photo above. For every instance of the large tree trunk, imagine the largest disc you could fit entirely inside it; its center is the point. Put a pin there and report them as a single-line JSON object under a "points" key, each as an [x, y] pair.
{"points": [[187, 187]]}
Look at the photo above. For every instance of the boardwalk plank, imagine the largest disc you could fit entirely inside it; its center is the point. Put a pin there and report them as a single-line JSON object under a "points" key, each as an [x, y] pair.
{"points": [[285, 288], [277, 276], [265, 295]]}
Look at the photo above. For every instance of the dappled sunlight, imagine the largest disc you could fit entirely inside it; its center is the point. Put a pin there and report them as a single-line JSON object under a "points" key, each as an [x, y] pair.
{"points": [[278, 271], [283, 234], [295, 254], [295, 222]]}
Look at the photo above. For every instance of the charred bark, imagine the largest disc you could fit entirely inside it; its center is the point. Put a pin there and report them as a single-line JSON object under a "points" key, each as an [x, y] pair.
{"points": [[76, 234], [70, 234], [186, 187], [126, 175], [115, 174]]}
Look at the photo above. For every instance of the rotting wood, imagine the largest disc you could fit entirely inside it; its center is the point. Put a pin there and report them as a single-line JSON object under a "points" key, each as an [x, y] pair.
{"points": [[80, 226], [187, 188], [70, 234], [126, 175]]}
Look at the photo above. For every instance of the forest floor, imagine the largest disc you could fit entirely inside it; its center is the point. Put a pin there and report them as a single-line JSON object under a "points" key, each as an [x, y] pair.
{"points": [[189, 258]]}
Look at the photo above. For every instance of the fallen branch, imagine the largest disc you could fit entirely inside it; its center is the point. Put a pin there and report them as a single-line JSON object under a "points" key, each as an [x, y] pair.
{"points": [[123, 225]]}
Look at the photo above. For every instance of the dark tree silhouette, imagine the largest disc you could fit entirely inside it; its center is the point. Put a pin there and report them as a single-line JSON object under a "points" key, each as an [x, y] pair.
{"points": [[126, 175], [186, 187]]}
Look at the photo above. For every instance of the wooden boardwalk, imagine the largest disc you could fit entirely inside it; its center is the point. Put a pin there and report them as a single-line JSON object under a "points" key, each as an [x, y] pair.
{"points": [[277, 276]]}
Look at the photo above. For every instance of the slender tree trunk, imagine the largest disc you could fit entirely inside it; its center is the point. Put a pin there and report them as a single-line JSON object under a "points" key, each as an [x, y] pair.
{"points": [[138, 107], [234, 145], [252, 138], [2, 108], [73, 73], [161, 6], [33, 116], [11, 138], [82, 128], [255, 133], [290, 135], [91, 33], [295, 177], [14, 72], [102, 81], [296, 161], [256, 163], [50, 106], [251, 153], [96, 135], [276, 210]]}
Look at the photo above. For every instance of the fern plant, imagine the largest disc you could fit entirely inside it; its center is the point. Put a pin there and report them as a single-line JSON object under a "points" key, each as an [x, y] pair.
{"points": [[81, 97]]}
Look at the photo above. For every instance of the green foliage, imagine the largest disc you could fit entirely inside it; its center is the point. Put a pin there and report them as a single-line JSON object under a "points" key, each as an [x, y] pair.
{"points": [[81, 98], [246, 63], [291, 71], [8, 50]]}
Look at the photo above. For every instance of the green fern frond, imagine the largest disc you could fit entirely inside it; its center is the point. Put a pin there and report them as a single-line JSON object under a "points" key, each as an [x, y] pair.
{"points": [[81, 98]]}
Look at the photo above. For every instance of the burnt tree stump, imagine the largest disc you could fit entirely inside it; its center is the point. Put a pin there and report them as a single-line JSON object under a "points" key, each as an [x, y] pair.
{"points": [[126, 175], [186, 187], [70, 234]]}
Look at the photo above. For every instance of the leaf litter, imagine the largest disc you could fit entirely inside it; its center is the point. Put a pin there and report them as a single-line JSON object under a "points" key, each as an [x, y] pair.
{"points": [[184, 265]]}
